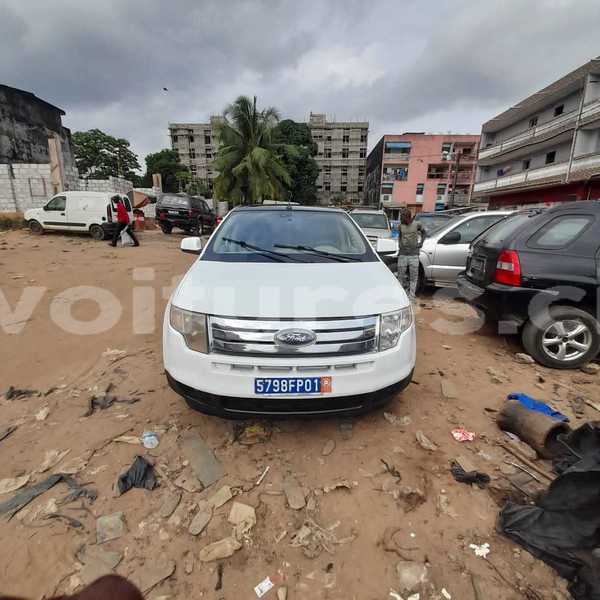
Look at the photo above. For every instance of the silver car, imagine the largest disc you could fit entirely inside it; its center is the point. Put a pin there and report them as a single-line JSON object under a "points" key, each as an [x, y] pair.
{"points": [[374, 224], [444, 251]]}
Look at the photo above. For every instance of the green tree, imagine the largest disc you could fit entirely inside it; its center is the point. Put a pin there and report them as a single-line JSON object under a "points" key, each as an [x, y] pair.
{"points": [[300, 164], [166, 162], [248, 162], [100, 156]]}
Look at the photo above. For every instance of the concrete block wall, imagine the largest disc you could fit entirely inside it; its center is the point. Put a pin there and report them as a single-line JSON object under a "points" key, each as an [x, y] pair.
{"points": [[112, 184], [24, 186]]}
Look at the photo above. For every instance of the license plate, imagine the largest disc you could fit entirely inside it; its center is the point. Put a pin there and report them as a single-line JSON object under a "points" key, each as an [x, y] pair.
{"points": [[292, 385], [173, 212]]}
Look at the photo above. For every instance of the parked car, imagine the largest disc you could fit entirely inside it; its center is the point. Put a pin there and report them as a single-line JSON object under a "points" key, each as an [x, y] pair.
{"points": [[278, 316], [538, 273], [376, 226], [90, 212], [444, 252], [190, 213]]}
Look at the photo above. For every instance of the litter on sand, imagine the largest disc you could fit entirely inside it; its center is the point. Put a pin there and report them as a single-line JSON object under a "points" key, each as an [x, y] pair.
{"points": [[462, 476], [425, 442], [139, 475], [10, 485], [482, 550], [460, 434], [6, 431], [104, 401], [13, 393], [263, 587], [149, 440], [537, 406]]}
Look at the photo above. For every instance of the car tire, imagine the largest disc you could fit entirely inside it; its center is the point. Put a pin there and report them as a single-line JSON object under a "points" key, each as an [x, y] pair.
{"points": [[97, 232], [577, 335], [35, 227], [166, 228]]}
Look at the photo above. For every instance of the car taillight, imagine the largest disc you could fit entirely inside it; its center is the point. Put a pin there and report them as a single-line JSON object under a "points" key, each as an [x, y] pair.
{"points": [[219, 219], [508, 268]]}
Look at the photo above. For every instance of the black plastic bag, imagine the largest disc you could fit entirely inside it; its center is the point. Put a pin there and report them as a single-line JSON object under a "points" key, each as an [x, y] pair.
{"points": [[139, 475]]}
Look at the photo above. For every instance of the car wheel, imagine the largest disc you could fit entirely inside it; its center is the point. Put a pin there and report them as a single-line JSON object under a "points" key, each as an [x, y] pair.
{"points": [[35, 227], [565, 338], [97, 232], [166, 227]]}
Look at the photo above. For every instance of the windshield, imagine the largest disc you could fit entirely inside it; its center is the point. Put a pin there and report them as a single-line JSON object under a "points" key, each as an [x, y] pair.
{"points": [[433, 222], [288, 236], [371, 220], [498, 232]]}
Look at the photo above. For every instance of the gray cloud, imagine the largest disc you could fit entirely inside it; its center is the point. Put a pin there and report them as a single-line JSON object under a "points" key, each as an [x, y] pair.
{"points": [[437, 65]]}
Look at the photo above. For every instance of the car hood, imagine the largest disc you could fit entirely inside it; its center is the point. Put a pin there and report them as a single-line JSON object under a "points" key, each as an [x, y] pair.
{"points": [[289, 290]]}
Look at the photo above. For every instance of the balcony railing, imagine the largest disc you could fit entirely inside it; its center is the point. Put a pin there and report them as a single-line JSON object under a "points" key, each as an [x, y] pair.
{"points": [[589, 110], [524, 177]]}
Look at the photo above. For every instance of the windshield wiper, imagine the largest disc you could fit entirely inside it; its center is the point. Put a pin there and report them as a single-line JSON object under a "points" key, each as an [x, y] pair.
{"points": [[318, 252], [278, 256]]}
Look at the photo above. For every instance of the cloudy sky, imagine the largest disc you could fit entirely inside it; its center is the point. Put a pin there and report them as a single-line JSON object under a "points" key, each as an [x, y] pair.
{"points": [[403, 65]]}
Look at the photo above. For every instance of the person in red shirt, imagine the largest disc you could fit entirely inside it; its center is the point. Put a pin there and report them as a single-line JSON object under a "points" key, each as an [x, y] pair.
{"points": [[122, 222]]}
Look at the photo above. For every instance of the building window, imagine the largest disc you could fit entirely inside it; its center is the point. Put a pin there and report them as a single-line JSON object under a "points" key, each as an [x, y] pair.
{"points": [[387, 188], [344, 171], [550, 157], [345, 153], [346, 139], [361, 171], [559, 110], [327, 168], [468, 151], [192, 153], [363, 138], [360, 188], [191, 139], [328, 138], [397, 148], [327, 186], [327, 153], [343, 187], [533, 122], [526, 164], [208, 155], [441, 189], [207, 140], [193, 169], [420, 188], [175, 139], [363, 153], [446, 148]]}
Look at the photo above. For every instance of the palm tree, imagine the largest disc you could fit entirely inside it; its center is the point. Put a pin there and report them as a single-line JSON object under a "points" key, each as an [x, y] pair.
{"points": [[247, 160]]}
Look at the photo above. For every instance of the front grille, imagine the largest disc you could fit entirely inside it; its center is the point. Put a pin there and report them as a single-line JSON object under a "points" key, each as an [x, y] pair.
{"points": [[246, 336], [372, 240]]}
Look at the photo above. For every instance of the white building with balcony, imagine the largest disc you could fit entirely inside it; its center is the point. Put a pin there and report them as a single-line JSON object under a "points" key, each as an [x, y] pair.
{"points": [[546, 148]]}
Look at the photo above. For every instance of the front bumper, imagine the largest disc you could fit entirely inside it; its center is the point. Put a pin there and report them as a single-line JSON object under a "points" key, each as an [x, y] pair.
{"points": [[224, 385]]}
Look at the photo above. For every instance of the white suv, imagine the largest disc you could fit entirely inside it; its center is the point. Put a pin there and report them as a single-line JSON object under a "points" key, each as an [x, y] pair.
{"points": [[288, 310]]}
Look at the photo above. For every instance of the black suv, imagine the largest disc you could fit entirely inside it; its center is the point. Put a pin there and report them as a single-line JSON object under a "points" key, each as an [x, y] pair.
{"points": [[190, 213], [538, 273]]}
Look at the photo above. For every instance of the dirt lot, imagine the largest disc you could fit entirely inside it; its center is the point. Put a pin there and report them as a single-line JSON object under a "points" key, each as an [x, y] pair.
{"points": [[435, 520]]}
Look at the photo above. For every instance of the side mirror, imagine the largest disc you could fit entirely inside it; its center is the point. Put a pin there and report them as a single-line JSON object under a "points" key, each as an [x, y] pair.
{"points": [[451, 238], [45, 207], [191, 245], [386, 246]]}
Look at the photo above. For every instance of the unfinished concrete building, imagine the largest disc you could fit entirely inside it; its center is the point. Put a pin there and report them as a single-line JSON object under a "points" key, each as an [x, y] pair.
{"points": [[341, 156]]}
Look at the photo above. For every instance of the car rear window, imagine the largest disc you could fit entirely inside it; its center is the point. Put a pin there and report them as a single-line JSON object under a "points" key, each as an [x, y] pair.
{"points": [[497, 233], [560, 232], [176, 201]]}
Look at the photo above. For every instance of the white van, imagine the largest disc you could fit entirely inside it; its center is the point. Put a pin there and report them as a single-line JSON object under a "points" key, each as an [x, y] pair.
{"points": [[92, 212]]}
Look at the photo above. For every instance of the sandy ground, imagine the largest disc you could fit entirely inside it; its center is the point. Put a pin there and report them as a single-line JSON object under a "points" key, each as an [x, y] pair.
{"points": [[37, 555]]}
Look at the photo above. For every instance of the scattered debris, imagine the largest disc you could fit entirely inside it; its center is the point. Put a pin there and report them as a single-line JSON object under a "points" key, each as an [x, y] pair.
{"points": [[249, 434], [6, 431], [446, 594], [448, 390], [282, 593], [222, 549], [393, 419], [590, 369], [470, 477], [524, 359], [12, 506], [219, 583], [412, 576], [389, 543], [411, 497], [535, 405], [10, 485], [13, 393], [128, 439], [266, 585], [342, 484], [391, 469], [75, 465], [51, 459], [294, 493], [201, 520], [188, 562], [425, 442], [243, 519], [104, 401], [313, 538], [139, 475], [328, 448], [170, 502], [97, 562], [189, 483], [150, 574], [495, 376], [220, 497], [114, 353], [460, 434], [483, 550], [205, 465], [109, 527], [149, 440], [443, 506], [262, 476], [42, 414]]}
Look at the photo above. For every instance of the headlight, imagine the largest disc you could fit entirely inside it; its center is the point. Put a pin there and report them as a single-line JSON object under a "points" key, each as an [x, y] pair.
{"points": [[192, 326], [392, 325]]}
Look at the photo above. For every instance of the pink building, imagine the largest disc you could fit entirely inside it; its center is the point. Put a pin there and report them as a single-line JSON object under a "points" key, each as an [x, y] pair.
{"points": [[423, 172]]}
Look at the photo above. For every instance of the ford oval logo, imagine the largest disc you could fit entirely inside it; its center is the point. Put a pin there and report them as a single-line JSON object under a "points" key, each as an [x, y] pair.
{"points": [[295, 337]]}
